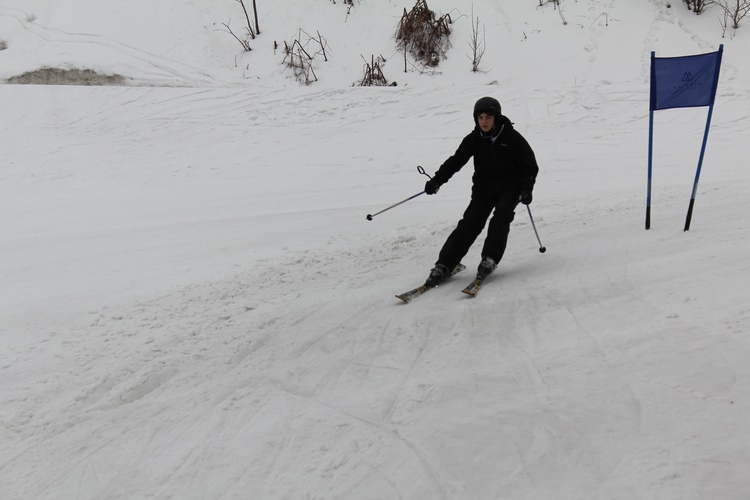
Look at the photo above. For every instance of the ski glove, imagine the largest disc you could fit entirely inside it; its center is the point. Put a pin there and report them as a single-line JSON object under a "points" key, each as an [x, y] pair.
{"points": [[525, 197], [431, 187]]}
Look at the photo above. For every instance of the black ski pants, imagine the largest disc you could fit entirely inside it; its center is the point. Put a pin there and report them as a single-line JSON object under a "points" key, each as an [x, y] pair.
{"points": [[471, 225]]}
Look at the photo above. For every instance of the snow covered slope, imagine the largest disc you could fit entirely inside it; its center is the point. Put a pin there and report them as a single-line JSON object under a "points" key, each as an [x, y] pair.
{"points": [[194, 306]]}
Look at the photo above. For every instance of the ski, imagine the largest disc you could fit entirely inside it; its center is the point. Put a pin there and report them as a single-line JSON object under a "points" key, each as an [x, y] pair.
{"points": [[473, 287], [413, 294], [485, 269]]}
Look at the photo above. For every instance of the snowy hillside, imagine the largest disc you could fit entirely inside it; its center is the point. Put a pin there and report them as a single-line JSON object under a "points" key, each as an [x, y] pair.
{"points": [[194, 306]]}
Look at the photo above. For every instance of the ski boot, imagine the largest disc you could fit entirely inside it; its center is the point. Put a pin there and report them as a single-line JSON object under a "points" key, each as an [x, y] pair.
{"points": [[485, 268], [438, 274]]}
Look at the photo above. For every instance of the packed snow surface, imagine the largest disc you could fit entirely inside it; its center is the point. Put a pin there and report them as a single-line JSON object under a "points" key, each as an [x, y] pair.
{"points": [[194, 306]]}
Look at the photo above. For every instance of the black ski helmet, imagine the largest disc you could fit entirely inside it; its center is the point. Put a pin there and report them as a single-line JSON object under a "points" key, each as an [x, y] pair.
{"points": [[487, 105]]}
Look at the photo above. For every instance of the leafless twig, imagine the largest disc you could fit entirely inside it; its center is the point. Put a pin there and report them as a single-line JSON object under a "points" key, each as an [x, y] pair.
{"points": [[477, 46], [245, 44]]}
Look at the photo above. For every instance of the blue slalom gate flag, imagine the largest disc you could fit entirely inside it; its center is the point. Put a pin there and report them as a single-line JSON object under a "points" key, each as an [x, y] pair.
{"points": [[682, 82]]}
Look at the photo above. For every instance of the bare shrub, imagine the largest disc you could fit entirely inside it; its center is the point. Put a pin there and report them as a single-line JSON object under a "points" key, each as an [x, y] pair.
{"points": [[249, 28], [557, 6], [423, 35], [247, 19], [736, 10], [373, 76], [3, 45], [298, 56], [476, 44], [300, 62], [697, 6]]}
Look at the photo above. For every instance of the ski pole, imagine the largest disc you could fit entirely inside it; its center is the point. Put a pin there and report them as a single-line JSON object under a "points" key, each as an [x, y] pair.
{"points": [[370, 216], [421, 171], [542, 248]]}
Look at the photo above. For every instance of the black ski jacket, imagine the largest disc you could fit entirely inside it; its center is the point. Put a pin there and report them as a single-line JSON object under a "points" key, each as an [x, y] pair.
{"points": [[508, 162]]}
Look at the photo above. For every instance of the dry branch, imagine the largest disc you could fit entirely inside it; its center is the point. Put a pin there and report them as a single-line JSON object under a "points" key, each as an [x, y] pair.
{"points": [[245, 44]]}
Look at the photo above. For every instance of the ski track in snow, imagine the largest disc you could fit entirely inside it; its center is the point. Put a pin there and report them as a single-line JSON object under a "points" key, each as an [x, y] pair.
{"points": [[292, 354]]}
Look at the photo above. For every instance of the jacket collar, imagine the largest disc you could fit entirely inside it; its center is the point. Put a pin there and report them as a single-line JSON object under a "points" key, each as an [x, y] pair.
{"points": [[503, 125], [493, 134]]}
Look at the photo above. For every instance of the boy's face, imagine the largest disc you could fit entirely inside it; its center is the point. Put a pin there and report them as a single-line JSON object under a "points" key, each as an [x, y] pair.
{"points": [[486, 121]]}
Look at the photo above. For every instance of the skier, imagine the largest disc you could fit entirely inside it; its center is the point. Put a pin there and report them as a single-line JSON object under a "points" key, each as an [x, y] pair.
{"points": [[505, 171]]}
